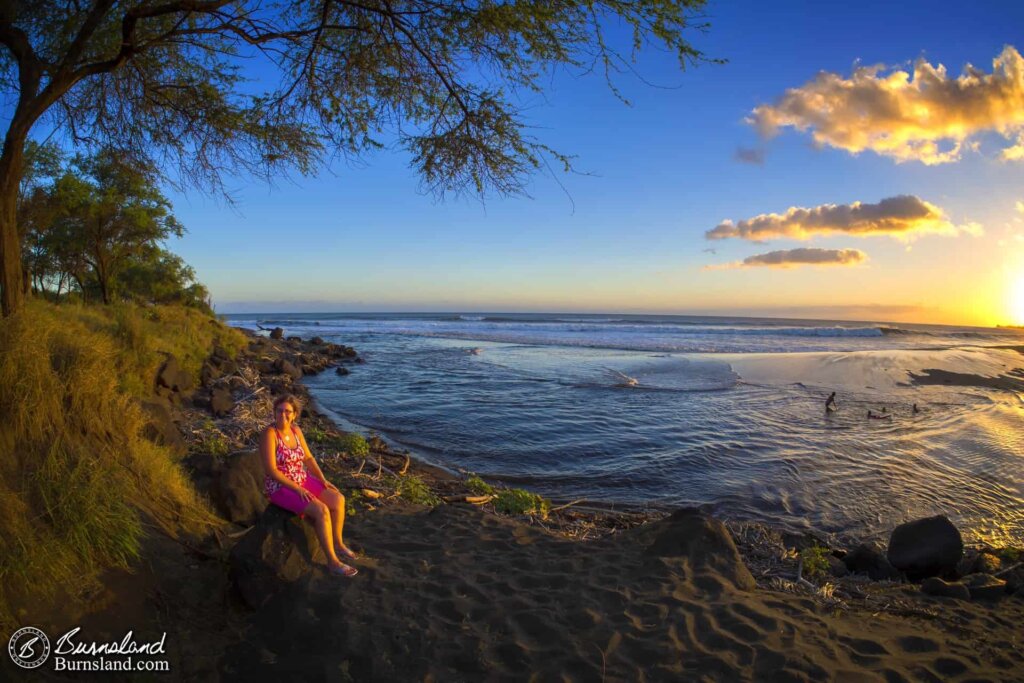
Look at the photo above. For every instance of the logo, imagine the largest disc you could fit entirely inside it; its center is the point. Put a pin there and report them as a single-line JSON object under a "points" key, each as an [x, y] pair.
{"points": [[29, 647]]}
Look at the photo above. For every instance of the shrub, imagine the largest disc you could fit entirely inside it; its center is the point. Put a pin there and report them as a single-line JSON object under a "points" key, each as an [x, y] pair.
{"points": [[815, 561], [354, 444], [76, 475], [352, 501], [413, 489], [520, 502], [212, 441], [316, 434], [478, 486]]}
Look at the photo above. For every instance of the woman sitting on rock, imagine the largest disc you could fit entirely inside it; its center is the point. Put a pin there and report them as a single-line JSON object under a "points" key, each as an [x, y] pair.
{"points": [[294, 481]]}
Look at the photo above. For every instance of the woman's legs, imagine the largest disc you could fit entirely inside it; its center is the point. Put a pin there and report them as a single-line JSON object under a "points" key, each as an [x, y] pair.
{"points": [[335, 502], [321, 517]]}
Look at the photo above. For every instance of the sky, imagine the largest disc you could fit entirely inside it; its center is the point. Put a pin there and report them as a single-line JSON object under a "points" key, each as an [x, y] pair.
{"points": [[841, 164]]}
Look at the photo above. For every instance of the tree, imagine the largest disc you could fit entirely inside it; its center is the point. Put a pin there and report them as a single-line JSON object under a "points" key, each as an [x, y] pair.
{"points": [[155, 275], [111, 212], [162, 79]]}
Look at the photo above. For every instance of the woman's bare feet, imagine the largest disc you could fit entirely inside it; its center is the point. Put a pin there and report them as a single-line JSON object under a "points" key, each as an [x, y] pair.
{"points": [[345, 551], [342, 569]]}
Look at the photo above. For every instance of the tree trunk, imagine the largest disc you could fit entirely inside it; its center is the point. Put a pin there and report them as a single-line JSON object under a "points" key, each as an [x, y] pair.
{"points": [[12, 160]]}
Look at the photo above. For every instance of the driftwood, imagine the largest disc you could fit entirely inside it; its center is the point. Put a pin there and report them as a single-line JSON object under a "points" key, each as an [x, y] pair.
{"points": [[1008, 569], [370, 493], [405, 467]]}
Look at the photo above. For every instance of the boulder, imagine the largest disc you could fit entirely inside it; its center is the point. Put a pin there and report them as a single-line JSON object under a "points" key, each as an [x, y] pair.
{"points": [[221, 401], [280, 550], [867, 558], [340, 370], [238, 492], [160, 427], [171, 376], [926, 547], [836, 566], [702, 544], [284, 367], [229, 367], [277, 333], [294, 338], [317, 341], [984, 586], [220, 354], [208, 373], [933, 585]]}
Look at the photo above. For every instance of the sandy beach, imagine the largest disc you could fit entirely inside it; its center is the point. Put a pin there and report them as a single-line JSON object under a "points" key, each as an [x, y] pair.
{"points": [[457, 592]]}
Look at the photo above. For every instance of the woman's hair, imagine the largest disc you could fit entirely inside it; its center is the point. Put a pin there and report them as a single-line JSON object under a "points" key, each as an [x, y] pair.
{"points": [[288, 398]]}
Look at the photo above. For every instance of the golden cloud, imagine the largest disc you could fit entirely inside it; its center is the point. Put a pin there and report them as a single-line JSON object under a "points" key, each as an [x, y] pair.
{"points": [[925, 116], [904, 217], [791, 258]]}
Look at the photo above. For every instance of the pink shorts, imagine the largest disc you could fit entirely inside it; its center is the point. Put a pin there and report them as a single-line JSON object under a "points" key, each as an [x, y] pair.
{"points": [[292, 501]]}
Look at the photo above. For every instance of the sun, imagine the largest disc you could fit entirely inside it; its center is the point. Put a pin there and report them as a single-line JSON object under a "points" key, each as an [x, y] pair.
{"points": [[1016, 301]]}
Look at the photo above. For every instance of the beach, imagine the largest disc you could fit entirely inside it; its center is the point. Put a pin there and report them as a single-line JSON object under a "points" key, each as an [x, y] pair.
{"points": [[457, 591]]}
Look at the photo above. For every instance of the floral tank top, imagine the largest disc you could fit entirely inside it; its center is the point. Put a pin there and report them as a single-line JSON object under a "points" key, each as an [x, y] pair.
{"points": [[289, 462]]}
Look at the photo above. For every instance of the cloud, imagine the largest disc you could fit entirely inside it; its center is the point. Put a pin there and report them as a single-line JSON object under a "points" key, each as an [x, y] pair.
{"points": [[925, 116], [791, 258], [749, 156], [1019, 206], [904, 217]]}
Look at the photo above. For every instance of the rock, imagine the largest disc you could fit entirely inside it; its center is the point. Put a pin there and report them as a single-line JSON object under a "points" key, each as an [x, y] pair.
{"points": [[933, 585], [926, 547], [702, 544], [294, 339], [868, 559], [221, 402], [266, 367], [317, 341], [349, 352], [238, 492], [836, 566], [1014, 581], [208, 373], [987, 563], [160, 427], [277, 333], [984, 586], [360, 360], [229, 367], [341, 370], [285, 367], [171, 376], [280, 550], [220, 354]]}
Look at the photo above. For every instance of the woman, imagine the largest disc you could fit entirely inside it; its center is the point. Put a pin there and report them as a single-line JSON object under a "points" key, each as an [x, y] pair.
{"points": [[294, 482]]}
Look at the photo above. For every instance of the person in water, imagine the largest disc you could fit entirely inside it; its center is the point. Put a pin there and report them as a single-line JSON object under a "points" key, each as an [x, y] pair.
{"points": [[830, 404], [294, 482], [873, 416]]}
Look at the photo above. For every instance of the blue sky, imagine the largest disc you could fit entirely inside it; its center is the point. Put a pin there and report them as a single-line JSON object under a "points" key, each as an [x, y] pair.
{"points": [[659, 174]]}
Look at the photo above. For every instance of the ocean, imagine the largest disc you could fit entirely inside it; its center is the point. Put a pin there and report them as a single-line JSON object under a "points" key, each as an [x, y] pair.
{"points": [[657, 411]]}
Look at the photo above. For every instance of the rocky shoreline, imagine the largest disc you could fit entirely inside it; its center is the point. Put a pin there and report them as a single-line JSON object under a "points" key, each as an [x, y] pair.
{"points": [[448, 582]]}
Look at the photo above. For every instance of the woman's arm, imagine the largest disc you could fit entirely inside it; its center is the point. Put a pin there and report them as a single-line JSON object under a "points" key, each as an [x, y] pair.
{"points": [[311, 462], [268, 446]]}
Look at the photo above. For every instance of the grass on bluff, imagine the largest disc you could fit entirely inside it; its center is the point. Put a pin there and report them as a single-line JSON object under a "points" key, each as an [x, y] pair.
{"points": [[78, 482]]}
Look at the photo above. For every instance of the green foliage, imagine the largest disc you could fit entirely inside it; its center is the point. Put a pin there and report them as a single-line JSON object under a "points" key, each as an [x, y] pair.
{"points": [[520, 502], [212, 441], [353, 444], [353, 500], [316, 435], [815, 561], [478, 486], [414, 490]]}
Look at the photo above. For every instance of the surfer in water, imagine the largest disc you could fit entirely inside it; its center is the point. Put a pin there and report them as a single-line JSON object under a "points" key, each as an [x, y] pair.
{"points": [[830, 404], [876, 416]]}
